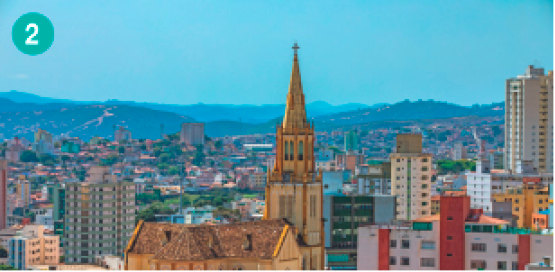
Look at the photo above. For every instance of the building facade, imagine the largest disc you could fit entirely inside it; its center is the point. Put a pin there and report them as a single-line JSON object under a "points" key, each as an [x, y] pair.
{"points": [[192, 133], [374, 178], [411, 174], [100, 216], [529, 119], [526, 199], [31, 247]]}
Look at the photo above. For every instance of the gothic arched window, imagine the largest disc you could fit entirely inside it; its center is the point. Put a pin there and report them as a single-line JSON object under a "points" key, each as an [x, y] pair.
{"points": [[300, 150], [292, 151], [286, 150]]}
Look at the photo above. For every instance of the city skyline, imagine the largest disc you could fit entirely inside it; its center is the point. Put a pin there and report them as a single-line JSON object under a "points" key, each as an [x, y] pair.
{"points": [[221, 57]]}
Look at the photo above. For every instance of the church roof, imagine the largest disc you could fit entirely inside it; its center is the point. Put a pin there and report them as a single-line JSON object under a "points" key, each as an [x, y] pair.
{"points": [[295, 113], [180, 242]]}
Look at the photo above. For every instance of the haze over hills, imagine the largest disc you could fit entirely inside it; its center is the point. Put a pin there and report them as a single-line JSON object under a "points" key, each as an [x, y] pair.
{"points": [[200, 112], [30, 112]]}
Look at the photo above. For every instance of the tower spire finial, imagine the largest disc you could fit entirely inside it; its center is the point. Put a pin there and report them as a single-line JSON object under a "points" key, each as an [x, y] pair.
{"points": [[295, 48]]}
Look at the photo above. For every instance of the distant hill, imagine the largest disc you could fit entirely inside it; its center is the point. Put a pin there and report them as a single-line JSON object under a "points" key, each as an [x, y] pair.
{"points": [[411, 111], [144, 119], [90, 120]]}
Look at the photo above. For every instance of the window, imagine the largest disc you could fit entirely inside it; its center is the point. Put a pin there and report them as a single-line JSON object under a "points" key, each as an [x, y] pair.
{"points": [[405, 244], [515, 266], [428, 245], [515, 249], [478, 264], [449, 217], [393, 244], [291, 151], [405, 261], [501, 265], [501, 248], [392, 261], [449, 237], [286, 150], [427, 262], [300, 150], [478, 247]]}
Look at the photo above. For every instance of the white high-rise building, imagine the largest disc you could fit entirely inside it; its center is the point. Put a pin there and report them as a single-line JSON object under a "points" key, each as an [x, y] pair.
{"points": [[529, 120], [411, 174]]}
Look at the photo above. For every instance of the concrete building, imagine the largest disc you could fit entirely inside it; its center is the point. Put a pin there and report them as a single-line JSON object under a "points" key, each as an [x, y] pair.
{"points": [[411, 173], [374, 178], [333, 181], [496, 159], [529, 120], [24, 192], [122, 134], [15, 148], [3, 194], [351, 141], [31, 247], [192, 133], [326, 165], [100, 216], [458, 238], [349, 161], [526, 199], [345, 214], [43, 142], [482, 183], [458, 152]]}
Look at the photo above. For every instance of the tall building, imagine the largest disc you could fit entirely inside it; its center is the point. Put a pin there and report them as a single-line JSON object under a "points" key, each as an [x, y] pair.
{"points": [[529, 119], [24, 192], [374, 178], [345, 215], [411, 173], [351, 141], [458, 152], [31, 247], [3, 194], [100, 216], [192, 133], [294, 189]]}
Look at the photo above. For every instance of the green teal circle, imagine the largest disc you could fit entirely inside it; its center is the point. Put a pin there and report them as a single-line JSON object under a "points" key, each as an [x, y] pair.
{"points": [[36, 25]]}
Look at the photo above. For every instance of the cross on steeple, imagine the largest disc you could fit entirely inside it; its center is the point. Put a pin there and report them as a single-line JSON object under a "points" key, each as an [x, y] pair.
{"points": [[295, 47]]}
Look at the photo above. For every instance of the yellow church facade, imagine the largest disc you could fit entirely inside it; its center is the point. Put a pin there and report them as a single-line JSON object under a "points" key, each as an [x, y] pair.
{"points": [[291, 234]]}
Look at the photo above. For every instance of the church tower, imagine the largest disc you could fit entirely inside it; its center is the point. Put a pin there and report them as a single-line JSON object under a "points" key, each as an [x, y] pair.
{"points": [[294, 189]]}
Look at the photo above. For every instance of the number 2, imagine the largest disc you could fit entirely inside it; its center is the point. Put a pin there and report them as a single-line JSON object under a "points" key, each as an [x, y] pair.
{"points": [[30, 40]]}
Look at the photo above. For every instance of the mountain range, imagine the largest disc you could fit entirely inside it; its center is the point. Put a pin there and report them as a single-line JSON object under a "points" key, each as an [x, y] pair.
{"points": [[21, 114]]}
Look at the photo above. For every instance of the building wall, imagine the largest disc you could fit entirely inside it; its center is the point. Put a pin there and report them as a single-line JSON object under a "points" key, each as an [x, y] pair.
{"points": [[192, 133], [491, 256], [418, 167], [453, 213]]}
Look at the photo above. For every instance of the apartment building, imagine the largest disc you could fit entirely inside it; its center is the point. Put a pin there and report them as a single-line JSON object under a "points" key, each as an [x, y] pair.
{"points": [[529, 119], [345, 214], [100, 216], [192, 133], [411, 172], [482, 183], [529, 198], [31, 247], [374, 178], [459, 238]]}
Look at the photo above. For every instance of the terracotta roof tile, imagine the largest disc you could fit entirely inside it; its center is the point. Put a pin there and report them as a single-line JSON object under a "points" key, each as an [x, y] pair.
{"points": [[200, 242]]}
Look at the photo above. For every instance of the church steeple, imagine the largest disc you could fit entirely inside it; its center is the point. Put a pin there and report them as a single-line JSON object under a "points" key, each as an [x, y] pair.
{"points": [[295, 113]]}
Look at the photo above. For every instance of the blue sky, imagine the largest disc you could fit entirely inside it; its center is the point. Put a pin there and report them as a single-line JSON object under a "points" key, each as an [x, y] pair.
{"points": [[239, 52]]}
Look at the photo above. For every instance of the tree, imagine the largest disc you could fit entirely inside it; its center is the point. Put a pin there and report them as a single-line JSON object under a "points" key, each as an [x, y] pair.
{"points": [[173, 170], [121, 149], [7, 267], [218, 144], [64, 159], [28, 156]]}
